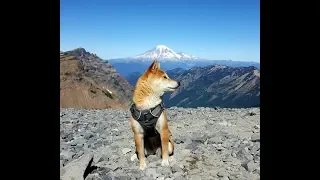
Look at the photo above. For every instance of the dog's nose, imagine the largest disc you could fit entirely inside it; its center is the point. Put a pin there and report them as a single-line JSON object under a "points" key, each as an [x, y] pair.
{"points": [[178, 83]]}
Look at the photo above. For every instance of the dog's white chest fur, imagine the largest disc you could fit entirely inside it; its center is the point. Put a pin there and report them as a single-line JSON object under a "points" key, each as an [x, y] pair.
{"points": [[151, 101]]}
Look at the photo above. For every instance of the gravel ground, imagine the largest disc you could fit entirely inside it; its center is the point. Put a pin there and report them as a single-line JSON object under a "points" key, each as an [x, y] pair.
{"points": [[210, 143]]}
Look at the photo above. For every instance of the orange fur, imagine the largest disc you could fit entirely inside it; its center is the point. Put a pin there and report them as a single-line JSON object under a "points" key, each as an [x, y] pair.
{"points": [[147, 94]]}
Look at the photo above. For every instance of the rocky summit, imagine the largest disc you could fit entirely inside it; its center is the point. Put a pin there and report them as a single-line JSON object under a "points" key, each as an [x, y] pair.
{"points": [[88, 82], [210, 143]]}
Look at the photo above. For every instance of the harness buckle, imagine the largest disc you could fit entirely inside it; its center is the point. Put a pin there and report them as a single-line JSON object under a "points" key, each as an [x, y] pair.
{"points": [[155, 108]]}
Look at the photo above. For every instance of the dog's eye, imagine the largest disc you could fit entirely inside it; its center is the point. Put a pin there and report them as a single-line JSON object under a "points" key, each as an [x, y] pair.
{"points": [[165, 77]]}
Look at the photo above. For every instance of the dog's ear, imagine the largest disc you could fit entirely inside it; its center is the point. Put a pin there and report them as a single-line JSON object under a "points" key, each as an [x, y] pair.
{"points": [[154, 66], [158, 65]]}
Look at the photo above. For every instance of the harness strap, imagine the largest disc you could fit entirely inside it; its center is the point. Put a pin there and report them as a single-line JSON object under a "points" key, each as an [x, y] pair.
{"points": [[155, 111], [147, 118]]}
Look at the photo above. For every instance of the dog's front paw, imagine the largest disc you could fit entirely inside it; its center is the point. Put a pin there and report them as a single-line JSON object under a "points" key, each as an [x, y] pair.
{"points": [[165, 163], [143, 166]]}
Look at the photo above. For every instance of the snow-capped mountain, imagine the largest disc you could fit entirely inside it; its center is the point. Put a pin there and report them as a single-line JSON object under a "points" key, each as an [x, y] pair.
{"points": [[164, 53], [169, 60]]}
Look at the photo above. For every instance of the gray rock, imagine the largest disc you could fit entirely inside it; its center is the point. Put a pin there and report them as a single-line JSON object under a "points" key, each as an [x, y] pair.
{"points": [[180, 178], [199, 138], [97, 145], [125, 151], [177, 174], [147, 178], [102, 154], [68, 137], [255, 137], [80, 153], [228, 159], [195, 176], [222, 173], [134, 157], [154, 164], [78, 141], [66, 154], [151, 172], [164, 170], [225, 178], [61, 163], [226, 144], [245, 142], [215, 140], [210, 149], [257, 170], [249, 166], [255, 148], [258, 153], [220, 148], [64, 147], [256, 159], [121, 177], [194, 171], [103, 170], [77, 155], [185, 152], [116, 133], [244, 155], [178, 140], [76, 168], [236, 144], [193, 145], [152, 158], [106, 177], [104, 157], [94, 176], [88, 136], [176, 168]]}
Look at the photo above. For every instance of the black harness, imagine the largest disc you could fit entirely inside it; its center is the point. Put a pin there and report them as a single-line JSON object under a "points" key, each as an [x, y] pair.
{"points": [[147, 118]]}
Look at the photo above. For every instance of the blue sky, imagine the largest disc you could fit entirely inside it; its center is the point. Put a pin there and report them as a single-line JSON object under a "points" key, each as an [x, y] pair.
{"points": [[212, 29]]}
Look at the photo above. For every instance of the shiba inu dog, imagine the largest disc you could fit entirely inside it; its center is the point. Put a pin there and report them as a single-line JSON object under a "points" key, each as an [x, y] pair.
{"points": [[148, 117]]}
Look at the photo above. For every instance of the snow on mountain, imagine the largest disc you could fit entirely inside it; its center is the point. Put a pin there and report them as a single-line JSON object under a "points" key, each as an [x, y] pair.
{"points": [[187, 56], [164, 53]]}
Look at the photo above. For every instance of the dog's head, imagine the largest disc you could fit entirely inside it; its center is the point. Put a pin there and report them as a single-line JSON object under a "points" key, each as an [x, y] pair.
{"points": [[158, 79]]}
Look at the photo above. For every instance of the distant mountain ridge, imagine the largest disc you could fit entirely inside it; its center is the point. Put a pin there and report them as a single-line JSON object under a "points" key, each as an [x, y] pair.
{"points": [[88, 82], [169, 60], [211, 86]]}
